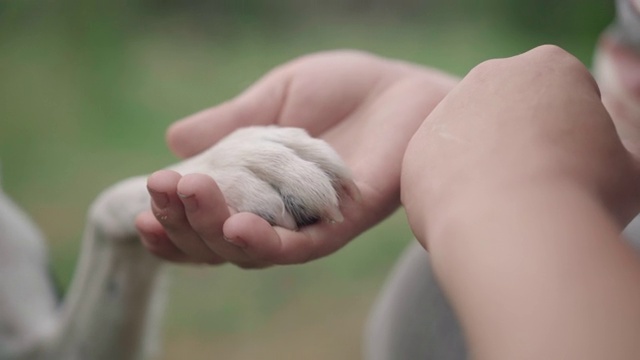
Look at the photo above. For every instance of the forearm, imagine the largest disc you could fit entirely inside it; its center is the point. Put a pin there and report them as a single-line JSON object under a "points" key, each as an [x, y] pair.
{"points": [[538, 273]]}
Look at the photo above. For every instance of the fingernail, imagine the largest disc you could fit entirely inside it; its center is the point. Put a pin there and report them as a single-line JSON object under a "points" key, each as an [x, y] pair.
{"points": [[161, 200], [353, 191], [334, 215], [236, 242], [189, 201]]}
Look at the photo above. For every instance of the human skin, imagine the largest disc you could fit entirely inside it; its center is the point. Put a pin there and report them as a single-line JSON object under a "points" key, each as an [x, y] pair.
{"points": [[519, 187], [366, 107], [516, 183]]}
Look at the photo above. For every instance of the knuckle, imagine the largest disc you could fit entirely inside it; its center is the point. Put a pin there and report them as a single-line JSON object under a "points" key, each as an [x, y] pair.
{"points": [[542, 55], [550, 51], [543, 63], [486, 71], [563, 66], [557, 56], [487, 67]]}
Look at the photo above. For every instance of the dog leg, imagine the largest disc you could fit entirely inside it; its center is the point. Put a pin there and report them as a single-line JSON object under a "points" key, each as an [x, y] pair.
{"points": [[112, 306], [114, 302], [28, 301]]}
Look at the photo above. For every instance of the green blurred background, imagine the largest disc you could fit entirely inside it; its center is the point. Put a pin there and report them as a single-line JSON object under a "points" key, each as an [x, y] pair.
{"points": [[87, 90]]}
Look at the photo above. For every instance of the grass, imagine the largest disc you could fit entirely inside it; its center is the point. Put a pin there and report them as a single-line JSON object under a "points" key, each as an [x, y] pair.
{"points": [[76, 116]]}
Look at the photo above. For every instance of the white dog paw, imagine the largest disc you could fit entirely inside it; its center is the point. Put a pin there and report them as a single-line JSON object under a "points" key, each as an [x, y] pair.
{"points": [[114, 211], [281, 174]]}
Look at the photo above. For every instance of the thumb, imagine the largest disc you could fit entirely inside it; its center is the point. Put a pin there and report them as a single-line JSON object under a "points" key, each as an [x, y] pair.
{"points": [[260, 104]]}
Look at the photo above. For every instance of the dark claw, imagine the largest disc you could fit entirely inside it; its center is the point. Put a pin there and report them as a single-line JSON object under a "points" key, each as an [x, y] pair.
{"points": [[301, 215]]}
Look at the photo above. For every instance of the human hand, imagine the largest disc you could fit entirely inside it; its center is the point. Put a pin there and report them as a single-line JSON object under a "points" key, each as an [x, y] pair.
{"points": [[511, 125], [366, 107]]}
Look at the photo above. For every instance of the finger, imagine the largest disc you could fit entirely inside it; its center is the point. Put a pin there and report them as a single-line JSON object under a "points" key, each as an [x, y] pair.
{"points": [[206, 212], [259, 239], [169, 211], [155, 240], [258, 105], [265, 243]]}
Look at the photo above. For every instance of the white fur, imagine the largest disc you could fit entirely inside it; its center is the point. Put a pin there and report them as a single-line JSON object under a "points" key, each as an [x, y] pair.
{"points": [[255, 168]]}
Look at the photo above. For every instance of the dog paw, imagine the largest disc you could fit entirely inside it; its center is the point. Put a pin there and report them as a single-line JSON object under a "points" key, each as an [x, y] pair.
{"points": [[114, 211], [280, 174]]}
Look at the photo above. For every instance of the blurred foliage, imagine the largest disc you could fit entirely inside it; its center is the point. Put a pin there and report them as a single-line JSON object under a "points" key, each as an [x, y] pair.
{"points": [[571, 17]]}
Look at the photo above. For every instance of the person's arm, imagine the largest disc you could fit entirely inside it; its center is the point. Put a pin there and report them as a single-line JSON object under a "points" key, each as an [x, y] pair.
{"points": [[519, 187], [539, 273]]}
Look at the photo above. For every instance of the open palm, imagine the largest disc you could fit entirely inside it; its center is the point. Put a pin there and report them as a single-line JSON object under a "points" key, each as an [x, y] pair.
{"points": [[366, 107]]}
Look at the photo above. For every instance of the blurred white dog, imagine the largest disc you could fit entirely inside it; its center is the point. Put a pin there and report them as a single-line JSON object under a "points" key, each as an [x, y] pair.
{"points": [[111, 309]]}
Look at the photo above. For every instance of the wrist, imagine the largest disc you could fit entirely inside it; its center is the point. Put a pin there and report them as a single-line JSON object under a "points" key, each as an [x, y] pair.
{"points": [[491, 200], [528, 257]]}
